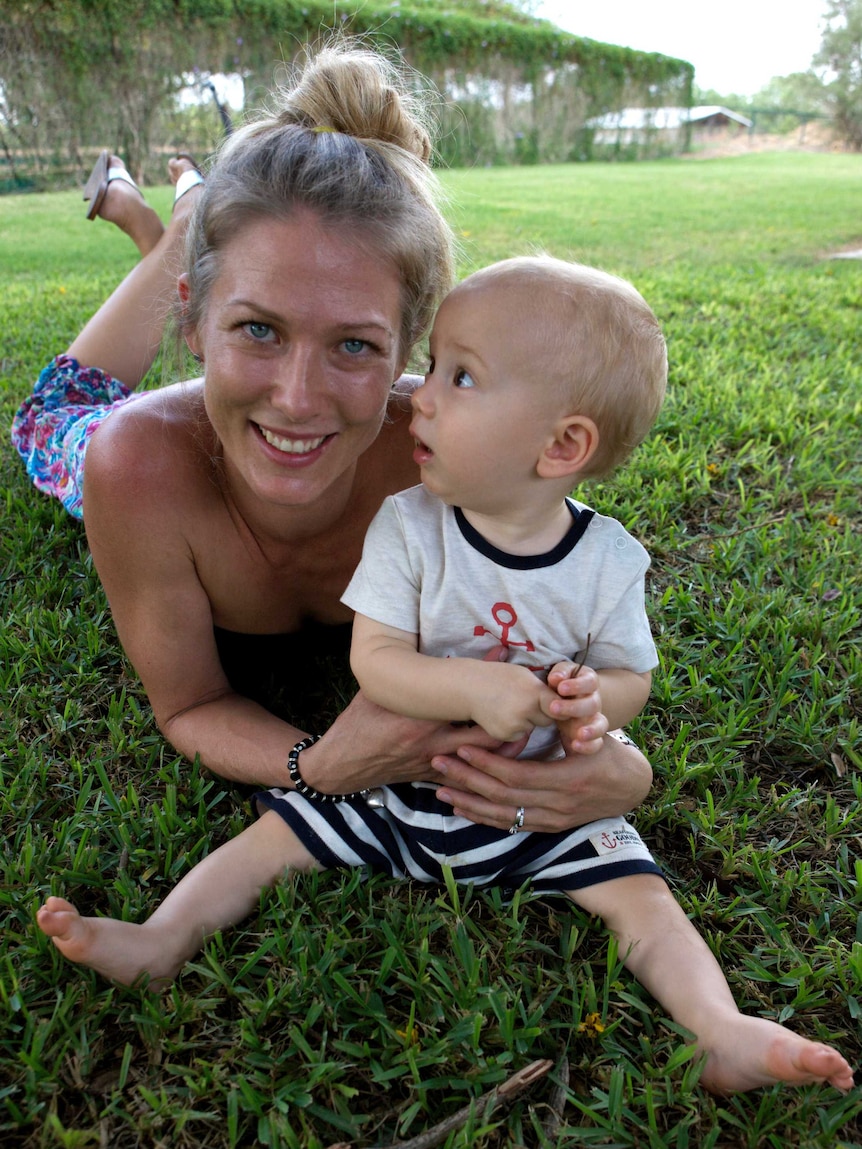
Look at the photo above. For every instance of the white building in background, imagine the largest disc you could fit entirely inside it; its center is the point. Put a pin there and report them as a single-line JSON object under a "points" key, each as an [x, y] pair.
{"points": [[637, 125]]}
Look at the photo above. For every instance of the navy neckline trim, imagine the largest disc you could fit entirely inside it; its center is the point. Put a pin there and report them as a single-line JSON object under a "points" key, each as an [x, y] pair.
{"points": [[581, 519]]}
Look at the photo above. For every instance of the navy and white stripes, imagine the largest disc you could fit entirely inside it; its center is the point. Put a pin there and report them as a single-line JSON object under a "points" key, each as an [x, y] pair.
{"points": [[415, 835]]}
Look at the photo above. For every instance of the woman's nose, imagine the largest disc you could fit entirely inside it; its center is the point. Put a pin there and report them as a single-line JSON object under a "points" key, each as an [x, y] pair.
{"points": [[299, 383]]}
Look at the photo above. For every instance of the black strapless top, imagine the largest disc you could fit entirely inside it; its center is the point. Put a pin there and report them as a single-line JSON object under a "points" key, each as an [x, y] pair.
{"points": [[303, 677]]}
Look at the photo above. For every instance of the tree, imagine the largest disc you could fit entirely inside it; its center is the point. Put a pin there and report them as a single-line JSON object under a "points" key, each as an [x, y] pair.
{"points": [[840, 55], [709, 96]]}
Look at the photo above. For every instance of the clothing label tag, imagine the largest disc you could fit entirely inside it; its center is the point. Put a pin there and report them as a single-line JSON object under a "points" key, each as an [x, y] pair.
{"points": [[615, 839]]}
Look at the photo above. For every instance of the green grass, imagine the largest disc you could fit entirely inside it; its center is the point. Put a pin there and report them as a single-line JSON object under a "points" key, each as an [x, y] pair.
{"points": [[367, 1011]]}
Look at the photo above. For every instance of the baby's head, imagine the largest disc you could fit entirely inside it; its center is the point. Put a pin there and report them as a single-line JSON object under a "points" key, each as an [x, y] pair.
{"points": [[587, 334]]}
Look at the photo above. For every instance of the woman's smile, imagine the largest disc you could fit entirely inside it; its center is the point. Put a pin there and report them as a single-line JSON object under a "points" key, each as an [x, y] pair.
{"points": [[288, 445]]}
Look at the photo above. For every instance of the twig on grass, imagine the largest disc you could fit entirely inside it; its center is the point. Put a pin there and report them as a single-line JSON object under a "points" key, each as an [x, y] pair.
{"points": [[707, 537], [557, 1101], [510, 1088]]}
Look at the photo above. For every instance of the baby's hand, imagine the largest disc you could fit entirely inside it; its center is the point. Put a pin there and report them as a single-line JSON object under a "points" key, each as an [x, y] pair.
{"points": [[508, 701], [577, 707]]}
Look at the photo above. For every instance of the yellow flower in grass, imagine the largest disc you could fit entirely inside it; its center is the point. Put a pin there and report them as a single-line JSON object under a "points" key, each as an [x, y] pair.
{"points": [[592, 1025], [833, 520], [713, 468], [410, 1035]]}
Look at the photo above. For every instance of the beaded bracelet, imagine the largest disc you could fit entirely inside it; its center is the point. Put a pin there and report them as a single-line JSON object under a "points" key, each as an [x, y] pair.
{"points": [[303, 787]]}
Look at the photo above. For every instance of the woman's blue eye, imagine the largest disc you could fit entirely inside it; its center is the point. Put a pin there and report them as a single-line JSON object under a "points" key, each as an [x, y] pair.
{"points": [[464, 379], [354, 346], [258, 330]]}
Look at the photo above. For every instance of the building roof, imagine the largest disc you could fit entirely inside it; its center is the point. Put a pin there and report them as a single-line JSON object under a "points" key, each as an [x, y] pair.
{"points": [[666, 118]]}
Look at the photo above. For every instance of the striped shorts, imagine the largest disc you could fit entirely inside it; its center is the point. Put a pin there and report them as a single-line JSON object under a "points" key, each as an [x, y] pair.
{"points": [[415, 835]]}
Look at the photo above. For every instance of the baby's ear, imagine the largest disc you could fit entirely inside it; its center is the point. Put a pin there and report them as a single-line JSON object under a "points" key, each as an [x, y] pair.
{"points": [[575, 441]]}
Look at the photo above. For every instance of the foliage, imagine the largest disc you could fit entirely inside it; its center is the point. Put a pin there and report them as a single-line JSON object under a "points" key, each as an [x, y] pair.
{"points": [[364, 1012], [841, 53], [785, 104], [81, 74]]}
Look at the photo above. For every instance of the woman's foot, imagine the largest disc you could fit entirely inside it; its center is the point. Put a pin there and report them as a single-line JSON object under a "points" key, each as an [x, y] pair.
{"points": [[119, 201], [121, 951], [188, 182], [751, 1052]]}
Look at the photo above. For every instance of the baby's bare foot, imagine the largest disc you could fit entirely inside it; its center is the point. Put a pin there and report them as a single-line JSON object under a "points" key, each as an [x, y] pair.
{"points": [[752, 1052], [120, 951]]}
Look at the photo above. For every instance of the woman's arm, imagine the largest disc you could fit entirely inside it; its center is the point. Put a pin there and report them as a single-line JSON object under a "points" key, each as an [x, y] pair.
{"points": [[139, 498]]}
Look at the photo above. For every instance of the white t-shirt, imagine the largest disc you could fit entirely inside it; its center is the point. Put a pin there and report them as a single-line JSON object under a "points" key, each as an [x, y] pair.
{"points": [[426, 571]]}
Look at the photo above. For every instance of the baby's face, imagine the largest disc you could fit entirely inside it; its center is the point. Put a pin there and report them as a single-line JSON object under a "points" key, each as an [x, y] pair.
{"points": [[486, 409]]}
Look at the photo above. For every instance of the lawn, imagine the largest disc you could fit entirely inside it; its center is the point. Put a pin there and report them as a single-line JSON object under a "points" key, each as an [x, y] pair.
{"points": [[365, 1012]]}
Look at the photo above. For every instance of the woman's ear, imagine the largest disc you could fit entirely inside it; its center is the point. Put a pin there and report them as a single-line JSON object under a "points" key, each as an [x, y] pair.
{"points": [[190, 334], [575, 441]]}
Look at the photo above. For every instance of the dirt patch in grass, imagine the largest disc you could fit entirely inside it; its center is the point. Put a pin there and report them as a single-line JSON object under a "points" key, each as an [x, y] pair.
{"points": [[814, 137]]}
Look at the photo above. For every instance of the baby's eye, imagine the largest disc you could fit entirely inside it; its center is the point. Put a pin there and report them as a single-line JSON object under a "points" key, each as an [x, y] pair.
{"points": [[261, 332], [464, 379], [354, 346], [429, 370]]}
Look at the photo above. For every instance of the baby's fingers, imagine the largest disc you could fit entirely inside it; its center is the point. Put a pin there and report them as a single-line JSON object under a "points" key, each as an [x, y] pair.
{"points": [[586, 681]]}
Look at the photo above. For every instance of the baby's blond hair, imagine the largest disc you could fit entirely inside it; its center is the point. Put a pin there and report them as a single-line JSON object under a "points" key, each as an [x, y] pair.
{"points": [[595, 338]]}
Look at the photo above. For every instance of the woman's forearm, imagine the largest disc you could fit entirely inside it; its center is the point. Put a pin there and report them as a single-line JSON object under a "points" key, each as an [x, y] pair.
{"points": [[236, 739], [366, 746]]}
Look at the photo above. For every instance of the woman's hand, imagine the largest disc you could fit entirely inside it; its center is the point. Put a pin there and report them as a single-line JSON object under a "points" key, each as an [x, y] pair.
{"points": [[489, 787], [368, 746]]}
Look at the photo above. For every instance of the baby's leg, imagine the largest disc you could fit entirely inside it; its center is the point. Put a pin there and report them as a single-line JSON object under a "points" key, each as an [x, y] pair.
{"points": [[220, 891], [664, 951]]}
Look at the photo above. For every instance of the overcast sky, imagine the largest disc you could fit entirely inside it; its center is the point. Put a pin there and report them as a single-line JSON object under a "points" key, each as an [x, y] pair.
{"points": [[735, 46]]}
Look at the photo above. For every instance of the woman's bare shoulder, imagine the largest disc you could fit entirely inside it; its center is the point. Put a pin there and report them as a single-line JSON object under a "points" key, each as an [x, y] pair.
{"points": [[155, 452]]}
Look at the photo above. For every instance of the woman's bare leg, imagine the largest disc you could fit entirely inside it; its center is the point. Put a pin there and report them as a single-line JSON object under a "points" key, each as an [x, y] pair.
{"points": [[126, 207], [667, 955], [122, 338], [221, 890]]}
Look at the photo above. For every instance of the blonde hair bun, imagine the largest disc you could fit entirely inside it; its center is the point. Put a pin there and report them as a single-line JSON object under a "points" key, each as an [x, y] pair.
{"points": [[359, 93]]}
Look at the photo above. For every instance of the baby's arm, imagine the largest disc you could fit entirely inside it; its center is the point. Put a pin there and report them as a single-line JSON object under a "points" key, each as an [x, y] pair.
{"points": [[506, 701], [590, 702]]}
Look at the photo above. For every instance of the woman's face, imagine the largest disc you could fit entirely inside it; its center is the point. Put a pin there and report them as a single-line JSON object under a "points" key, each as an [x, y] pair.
{"points": [[300, 339]]}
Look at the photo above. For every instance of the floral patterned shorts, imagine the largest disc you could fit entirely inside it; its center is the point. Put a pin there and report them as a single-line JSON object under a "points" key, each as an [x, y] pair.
{"points": [[52, 427]]}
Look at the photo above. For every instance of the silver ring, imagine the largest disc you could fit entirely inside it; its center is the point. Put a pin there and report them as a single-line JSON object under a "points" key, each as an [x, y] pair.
{"points": [[518, 824]]}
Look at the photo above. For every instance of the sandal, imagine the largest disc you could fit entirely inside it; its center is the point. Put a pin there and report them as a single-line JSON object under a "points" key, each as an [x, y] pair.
{"points": [[96, 187], [189, 179]]}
